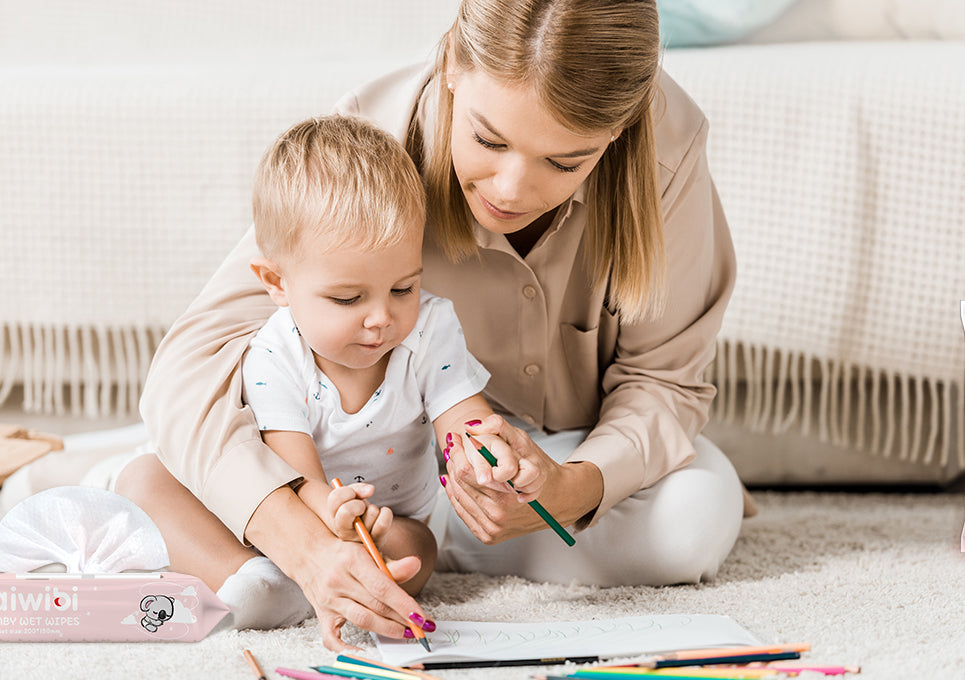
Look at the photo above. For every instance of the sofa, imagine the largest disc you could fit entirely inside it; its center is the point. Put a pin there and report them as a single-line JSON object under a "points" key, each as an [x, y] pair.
{"points": [[129, 132]]}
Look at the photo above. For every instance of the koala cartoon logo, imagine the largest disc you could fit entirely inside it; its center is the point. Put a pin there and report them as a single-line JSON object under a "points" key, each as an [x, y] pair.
{"points": [[159, 608]]}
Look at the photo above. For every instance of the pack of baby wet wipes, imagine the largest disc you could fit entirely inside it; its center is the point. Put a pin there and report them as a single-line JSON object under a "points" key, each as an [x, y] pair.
{"points": [[81, 564], [165, 607]]}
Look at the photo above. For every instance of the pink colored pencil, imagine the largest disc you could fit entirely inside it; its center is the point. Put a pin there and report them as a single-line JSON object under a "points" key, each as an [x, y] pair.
{"points": [[826, 670], [305, 675]]}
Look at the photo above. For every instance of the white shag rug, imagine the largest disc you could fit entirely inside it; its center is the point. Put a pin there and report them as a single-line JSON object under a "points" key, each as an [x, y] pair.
{"points": [[876, 580]]}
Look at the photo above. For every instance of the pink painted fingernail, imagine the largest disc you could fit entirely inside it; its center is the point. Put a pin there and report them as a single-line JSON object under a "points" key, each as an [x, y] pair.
{"points": [[442, 479], [473, 423], [445, 454], [417, 619], [448, 439], [408, 634]]}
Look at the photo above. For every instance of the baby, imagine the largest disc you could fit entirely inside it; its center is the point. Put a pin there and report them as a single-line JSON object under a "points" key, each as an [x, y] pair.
{"points": [[347, 374]]}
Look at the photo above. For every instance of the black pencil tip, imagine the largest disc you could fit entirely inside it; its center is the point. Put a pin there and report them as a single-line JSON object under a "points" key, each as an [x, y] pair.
{"points": [[425, 643]]}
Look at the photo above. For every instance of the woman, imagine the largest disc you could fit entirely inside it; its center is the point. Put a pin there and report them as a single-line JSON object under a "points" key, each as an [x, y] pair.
{"points": [[574, 224]]}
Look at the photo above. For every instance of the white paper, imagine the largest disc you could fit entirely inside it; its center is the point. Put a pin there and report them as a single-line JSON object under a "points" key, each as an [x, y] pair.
{"points": [[606, 638]]}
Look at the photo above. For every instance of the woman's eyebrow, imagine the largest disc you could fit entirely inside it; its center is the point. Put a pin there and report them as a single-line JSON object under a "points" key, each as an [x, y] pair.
{"points": [[569, 154]]}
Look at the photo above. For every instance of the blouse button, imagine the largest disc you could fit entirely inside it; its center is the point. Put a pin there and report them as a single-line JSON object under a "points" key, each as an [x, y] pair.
{"points": [[529, 292], [531, 369]]}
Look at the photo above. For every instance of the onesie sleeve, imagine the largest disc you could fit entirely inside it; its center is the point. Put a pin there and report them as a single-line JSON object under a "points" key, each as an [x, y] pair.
{"points": [[273, 381], [446, 370]]}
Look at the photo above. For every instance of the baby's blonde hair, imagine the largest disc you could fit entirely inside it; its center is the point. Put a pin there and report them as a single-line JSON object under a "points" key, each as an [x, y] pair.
{"points": [[338, 178]]}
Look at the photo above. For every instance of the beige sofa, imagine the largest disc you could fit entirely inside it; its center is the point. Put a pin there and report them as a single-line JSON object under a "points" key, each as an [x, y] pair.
{"points": [[129, 132]]}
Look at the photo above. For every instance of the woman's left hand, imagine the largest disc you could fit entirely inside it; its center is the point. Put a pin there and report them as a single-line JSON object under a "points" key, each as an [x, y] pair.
{"points": [[492, 509]]}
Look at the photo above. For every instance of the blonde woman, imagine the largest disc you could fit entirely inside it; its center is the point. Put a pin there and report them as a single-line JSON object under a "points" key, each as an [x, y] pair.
{"points": [[573, 222]]}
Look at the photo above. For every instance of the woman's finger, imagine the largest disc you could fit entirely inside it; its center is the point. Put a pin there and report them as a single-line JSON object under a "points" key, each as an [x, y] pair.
{"points": [[351, 587], [331, 627]]}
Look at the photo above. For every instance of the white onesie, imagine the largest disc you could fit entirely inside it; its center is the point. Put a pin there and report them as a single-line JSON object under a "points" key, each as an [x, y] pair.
{"points": [[389, 442]]}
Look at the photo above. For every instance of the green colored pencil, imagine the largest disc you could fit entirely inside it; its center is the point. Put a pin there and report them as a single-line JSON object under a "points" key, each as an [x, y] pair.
{"points": [[535, 505]]}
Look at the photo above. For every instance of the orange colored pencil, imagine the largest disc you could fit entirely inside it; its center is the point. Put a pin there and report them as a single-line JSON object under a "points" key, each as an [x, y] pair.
{"points": [[249, 657], [374, 552]]}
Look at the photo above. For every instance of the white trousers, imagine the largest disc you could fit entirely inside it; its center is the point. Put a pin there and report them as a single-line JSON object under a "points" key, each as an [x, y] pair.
{"points": [[679, 530]]}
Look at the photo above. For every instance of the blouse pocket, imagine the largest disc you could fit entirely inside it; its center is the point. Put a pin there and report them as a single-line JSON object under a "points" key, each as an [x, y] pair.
{"points": [[581, 353]]}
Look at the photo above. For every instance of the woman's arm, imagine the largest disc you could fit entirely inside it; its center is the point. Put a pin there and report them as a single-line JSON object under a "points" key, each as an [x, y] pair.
{"points": [[192, 404], [656, 397]]}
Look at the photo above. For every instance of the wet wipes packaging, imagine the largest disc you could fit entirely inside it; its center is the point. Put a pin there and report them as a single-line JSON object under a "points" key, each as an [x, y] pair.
{"points": [[164, 607]]}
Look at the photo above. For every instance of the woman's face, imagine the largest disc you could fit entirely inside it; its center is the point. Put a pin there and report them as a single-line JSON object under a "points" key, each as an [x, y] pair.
{"points": [[514, 161]]}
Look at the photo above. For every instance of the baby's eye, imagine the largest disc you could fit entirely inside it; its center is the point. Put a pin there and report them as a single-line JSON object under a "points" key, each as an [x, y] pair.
{"points": [[344, 301], [402, 291]]}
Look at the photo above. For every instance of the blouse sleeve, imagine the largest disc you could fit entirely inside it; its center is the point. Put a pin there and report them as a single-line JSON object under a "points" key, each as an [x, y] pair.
{"points": [[192, 400], [656, 399]]}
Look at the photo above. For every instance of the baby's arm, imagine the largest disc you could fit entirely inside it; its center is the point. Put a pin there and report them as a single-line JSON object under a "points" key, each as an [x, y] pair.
{"points": [[338, 508]]}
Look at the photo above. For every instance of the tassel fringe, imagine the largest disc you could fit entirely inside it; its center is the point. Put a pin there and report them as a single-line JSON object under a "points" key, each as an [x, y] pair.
{"points": [[89, 371], [911, 418]]}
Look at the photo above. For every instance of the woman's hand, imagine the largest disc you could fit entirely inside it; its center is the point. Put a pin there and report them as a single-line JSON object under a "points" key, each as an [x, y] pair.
{"points": [[492, 509], [338, 577]]}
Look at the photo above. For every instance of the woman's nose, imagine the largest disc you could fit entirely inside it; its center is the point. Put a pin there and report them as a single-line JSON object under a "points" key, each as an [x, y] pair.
{"points": [[510, 182]]}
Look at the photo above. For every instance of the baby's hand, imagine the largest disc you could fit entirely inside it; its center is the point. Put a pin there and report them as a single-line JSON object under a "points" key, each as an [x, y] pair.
{"points": [[348, 502], [519, 461]]}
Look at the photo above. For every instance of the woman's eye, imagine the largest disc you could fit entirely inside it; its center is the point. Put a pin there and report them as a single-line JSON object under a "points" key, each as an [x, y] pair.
{"points": [[402, 291], [485, 143], [564, 168]]}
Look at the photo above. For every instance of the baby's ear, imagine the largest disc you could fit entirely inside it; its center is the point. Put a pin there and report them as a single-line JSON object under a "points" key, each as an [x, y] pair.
{"points": [[269, 273]]}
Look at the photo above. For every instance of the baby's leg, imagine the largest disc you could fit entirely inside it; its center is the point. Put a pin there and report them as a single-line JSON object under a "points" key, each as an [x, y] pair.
{"points": [[406, 537], [200, 544]]}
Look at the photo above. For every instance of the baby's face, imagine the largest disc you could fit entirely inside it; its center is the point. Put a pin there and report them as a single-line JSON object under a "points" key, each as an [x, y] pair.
{"points": [[353, 306]]}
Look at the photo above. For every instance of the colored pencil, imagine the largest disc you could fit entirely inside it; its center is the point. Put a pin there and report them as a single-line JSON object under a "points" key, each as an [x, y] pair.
{"points": [[587, 674], [800, 668], [607, 672], [495, 663], [364, 673], [249, 657], [305, 675], [374, 552], [540, 510], [731, 651], [358, 660], [728, 659]]}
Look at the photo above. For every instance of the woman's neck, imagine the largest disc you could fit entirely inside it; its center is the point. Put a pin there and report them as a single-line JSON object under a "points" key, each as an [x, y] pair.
{"points": [[523, 240]]}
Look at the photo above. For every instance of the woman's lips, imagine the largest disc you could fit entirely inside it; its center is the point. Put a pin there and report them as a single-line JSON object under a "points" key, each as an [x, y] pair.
{"points": [[496, 212]]}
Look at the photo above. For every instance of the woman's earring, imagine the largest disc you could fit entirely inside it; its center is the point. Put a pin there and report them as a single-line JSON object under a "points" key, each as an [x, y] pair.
{"points": [[613, 138], [451, 87]]}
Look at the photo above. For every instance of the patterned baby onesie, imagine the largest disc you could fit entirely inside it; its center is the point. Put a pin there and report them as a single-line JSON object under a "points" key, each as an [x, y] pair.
{"points": [[389, 442]]}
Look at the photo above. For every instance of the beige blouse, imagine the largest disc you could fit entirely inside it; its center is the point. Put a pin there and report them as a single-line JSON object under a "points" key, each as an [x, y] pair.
{"points": [[559, 359]]}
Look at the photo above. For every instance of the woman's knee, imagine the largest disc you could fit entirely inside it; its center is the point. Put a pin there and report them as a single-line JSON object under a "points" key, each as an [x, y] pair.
{"points": [[696, 517]]}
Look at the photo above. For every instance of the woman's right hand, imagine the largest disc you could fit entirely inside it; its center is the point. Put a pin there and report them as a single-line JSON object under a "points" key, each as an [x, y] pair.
{"points": [[339, 578]]}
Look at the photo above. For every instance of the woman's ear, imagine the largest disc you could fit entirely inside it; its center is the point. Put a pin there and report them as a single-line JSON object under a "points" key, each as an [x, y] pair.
{"points": [[269, 273]]}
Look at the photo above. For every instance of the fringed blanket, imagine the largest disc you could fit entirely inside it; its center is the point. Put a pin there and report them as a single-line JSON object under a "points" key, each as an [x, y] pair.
{"points": [[841, 168]]}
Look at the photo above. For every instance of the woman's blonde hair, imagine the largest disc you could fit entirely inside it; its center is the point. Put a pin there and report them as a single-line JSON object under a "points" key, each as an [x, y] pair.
{"points": [[340, 178], [593, 64]]}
